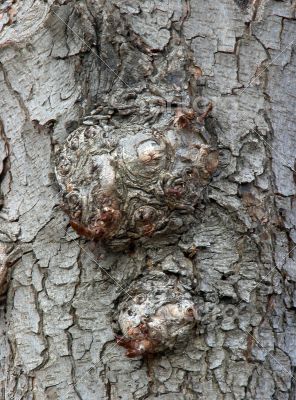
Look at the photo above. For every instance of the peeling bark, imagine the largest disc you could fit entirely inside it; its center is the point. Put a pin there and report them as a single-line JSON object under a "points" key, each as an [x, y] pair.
{"points": [[63, 64]]}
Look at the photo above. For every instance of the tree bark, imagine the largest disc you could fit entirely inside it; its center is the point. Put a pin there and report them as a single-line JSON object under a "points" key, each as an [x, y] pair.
{"points": [[59, 61]]}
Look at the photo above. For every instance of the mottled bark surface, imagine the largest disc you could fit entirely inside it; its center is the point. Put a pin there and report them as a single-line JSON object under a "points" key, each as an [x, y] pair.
{"points": [[61, 60]]}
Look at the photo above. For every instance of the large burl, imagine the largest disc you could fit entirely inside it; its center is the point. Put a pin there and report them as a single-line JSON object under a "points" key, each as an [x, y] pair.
{"points": [[123, 183], [157, 314]]}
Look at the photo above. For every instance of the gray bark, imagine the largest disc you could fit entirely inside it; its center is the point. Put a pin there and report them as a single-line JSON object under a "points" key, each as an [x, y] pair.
{"points": [[59, 61]]}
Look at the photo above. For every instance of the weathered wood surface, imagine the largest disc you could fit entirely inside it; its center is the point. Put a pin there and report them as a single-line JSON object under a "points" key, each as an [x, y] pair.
{"points": [[58, 61]]}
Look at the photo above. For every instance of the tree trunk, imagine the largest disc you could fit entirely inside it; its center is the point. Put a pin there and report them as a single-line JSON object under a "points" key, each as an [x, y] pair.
{"points": [[150, 62]]}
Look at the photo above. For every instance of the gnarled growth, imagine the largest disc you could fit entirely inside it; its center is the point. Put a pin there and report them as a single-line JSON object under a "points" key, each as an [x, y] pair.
{"points": [[125, 183], [158, 313]]}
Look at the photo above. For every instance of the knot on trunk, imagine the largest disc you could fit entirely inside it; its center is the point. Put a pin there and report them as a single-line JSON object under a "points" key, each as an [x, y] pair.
{"points": [[124, 183], [157, 313]]}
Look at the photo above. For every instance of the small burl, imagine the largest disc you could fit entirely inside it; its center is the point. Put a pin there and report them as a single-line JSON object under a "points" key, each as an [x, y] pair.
{"points": [[158, 313]]}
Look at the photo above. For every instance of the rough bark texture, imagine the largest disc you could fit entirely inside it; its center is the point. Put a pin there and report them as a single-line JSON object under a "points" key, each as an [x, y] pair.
{"points": [[59, 61]]}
